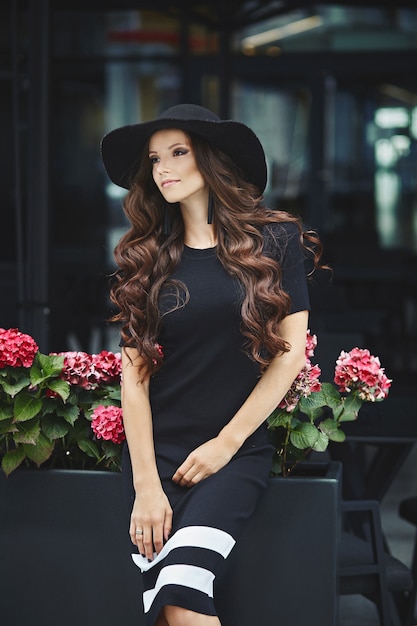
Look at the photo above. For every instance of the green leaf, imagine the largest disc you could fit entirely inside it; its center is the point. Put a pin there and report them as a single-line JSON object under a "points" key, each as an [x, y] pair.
{"points": [[26, 407], [331, 428], [312, 405], [114, 393], [40, 452], [46, 366], [69, 412], [111, 450], [54, 427], [61, 387], [304, 435], [89, 447], [13, 388], [7, 426], [107, 401], [6, 411], [28, 432], [338, 410], [12, 460], [279, 417], [332, 397], [351, 407], [321, 443]]}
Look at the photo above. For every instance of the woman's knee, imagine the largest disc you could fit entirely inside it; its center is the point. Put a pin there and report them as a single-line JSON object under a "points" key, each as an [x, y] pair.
{"points": [[161, 620], [178, 616]]}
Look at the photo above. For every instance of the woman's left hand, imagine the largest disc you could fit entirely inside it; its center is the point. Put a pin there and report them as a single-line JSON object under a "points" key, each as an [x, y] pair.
{"points": [[205, 460]]}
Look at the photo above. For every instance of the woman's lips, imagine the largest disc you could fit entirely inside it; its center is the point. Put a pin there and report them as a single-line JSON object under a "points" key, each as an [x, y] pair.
{"points": [[168, 183]]}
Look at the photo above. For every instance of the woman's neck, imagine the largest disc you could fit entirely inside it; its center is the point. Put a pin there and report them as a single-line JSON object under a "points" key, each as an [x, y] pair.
{"points": [[197, 232], [200, 238]]}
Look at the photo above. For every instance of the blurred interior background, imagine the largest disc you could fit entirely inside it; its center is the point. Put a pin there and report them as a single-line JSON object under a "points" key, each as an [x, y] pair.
{"points": [[329, 87], [331, 90]]}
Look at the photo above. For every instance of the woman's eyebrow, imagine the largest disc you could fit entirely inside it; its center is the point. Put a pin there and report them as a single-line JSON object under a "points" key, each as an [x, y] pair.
{"points": [[174, 145]]}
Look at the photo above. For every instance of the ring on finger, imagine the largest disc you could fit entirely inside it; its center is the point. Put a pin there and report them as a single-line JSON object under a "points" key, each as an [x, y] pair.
{"points": [[139, 531]]}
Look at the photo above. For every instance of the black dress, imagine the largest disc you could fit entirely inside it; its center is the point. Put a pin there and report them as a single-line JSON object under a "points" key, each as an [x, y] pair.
{"points": [[205, 378]]}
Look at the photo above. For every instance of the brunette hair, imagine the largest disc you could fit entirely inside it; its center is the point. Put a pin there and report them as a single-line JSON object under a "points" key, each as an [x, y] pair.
{"points": [[146, 257]]}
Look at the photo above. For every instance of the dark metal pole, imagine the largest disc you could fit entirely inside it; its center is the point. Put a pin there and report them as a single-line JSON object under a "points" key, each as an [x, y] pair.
{"points": [[17, 155], [320, 158], [224, 69], [38, 173]]}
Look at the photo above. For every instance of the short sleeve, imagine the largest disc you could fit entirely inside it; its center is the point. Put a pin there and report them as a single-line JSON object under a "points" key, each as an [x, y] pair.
{"points": [[282, 243]]}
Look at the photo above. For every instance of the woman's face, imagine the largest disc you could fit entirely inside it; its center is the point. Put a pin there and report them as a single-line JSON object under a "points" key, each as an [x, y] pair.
{"points": [[174, 168]]}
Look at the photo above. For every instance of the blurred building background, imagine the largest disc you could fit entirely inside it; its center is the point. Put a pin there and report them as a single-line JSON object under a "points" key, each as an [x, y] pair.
{"points": [[331, 90]]}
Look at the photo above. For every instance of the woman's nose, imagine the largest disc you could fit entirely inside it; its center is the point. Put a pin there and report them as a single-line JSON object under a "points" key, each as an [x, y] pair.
{"points": [[162, 166]]}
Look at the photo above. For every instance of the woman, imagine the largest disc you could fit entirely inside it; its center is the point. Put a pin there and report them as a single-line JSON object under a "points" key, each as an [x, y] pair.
{"points": [[213, 303]]}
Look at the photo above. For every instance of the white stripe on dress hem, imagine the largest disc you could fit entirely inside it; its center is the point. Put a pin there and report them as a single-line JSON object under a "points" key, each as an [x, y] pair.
{"points": [[191, 536], [184, 575]]}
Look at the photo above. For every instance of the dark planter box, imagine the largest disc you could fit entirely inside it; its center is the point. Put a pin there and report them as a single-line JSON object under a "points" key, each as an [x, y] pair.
{"points": [[65, 552], [283, 570]]}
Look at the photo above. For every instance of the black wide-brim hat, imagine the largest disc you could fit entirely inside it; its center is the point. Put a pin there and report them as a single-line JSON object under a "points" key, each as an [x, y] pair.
{"points": [[122, 148]]}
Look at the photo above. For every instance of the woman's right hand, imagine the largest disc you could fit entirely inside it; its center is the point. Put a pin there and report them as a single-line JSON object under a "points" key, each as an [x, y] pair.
{"points": [[151, 514]]}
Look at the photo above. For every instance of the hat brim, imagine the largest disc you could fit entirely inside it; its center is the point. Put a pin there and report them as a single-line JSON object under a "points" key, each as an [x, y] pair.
{"points": [[122, 148]]}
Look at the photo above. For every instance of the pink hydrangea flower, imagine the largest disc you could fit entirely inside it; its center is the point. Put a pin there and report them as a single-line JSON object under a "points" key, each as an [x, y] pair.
{"points": [[304, 385], [91, 370], [160, 351], [311, 343], [360, 371], [107, 367], [107, 423], [78, 369], [16, 348], [307, 380]]}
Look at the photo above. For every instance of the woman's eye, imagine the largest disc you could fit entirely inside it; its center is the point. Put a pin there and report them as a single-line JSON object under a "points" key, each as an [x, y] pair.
{"points": [[180, 152], [153, 160]]}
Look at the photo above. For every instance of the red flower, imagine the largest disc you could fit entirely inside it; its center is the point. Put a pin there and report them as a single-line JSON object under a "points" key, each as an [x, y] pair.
{"points": [[16, 348], [359, 371], [107, 423], [307, 380], [78, 369], [107, 367], [311, 343], [304, 385], [160, 351]]}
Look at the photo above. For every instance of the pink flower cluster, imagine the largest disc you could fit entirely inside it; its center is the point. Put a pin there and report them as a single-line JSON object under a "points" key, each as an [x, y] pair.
{"points": [[311, 344], [304, 385], [91, 370], [16, 348], [107, 423], [361, 372], [307, 380]]}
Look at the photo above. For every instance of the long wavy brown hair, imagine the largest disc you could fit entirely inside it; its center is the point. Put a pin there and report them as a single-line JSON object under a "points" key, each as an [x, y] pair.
{"points": [[146, 257]]}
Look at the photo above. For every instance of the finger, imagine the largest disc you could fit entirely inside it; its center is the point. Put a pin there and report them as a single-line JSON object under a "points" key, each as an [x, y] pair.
{"points": [[132, 532], [158, 539], [147, 542], [136, 536], [191, 478], [196, 479], [167, 525], [182, 470], [139, 539]]}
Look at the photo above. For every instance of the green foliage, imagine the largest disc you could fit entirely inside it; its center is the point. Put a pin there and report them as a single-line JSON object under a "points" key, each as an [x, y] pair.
{"points": [[46, 422], [316, 420]]}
